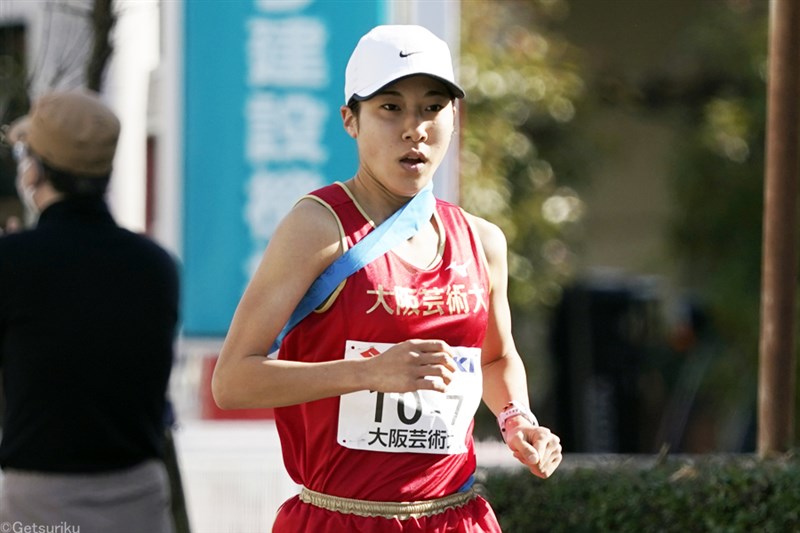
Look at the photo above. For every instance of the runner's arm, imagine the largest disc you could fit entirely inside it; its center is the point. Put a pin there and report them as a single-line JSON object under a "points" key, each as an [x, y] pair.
{"points": [[503, 371], [504, 377]]}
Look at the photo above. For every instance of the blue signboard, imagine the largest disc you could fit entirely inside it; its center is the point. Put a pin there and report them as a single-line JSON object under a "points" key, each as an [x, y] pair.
{"points": [[263, 83]]}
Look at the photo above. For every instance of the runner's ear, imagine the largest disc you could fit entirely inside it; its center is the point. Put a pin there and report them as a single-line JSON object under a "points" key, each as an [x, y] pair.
{"points": [[349, 121]]}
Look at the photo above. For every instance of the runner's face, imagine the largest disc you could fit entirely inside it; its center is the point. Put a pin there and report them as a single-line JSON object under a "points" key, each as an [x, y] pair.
{"points": [[403, 133]]}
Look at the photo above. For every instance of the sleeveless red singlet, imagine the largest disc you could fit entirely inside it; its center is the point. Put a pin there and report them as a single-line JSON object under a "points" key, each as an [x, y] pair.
{"points": [[388, 301]]}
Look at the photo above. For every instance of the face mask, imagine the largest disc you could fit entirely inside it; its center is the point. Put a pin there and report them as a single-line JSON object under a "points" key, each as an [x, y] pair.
{"points": [[27, 192], [31, 209]]}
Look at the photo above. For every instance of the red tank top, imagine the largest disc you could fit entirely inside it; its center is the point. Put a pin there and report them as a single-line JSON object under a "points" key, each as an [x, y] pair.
{"points": [[387, 301]]}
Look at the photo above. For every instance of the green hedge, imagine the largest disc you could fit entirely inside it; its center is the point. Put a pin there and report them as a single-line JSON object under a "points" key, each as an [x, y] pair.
{"points": [[731, 494]]}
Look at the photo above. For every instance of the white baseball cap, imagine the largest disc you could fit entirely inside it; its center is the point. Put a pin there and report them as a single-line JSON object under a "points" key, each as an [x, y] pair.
{"points": [[387, 53]]}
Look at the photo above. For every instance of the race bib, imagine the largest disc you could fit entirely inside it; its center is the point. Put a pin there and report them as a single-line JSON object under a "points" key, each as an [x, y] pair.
{"points": [[423, 421]]}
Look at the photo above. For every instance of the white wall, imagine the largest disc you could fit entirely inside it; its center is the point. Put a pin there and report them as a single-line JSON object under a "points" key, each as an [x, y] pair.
{"points": [[127, 87]]}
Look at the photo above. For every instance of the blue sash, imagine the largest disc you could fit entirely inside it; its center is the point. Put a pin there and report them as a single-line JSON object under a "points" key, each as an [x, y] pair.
{"points": [[401, 226]]}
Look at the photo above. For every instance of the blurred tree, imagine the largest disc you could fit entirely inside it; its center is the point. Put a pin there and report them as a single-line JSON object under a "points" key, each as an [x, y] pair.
{"points": [[718, 189], [524, 152], [714, 81], [519, 156], [103, 18]]}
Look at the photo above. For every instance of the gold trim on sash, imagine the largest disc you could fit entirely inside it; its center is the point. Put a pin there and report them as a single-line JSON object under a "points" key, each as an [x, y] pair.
{"points": [[398, 510]]}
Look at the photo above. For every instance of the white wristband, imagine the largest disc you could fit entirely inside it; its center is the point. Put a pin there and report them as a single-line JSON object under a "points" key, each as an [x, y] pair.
{"points": [[514, 408]]}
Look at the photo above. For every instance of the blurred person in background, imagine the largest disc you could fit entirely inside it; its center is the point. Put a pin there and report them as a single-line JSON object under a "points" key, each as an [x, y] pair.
{"points": [[88, 317]]}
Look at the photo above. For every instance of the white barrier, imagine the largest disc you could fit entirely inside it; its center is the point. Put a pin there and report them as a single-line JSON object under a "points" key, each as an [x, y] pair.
{"points": [[233, 475]]}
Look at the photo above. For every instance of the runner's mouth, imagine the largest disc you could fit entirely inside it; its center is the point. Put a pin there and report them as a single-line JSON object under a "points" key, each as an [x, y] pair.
{"points": [[413, 158]]}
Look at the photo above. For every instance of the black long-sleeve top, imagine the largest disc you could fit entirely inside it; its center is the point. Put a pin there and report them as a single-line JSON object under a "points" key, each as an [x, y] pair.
{"points": [[88, 316]]}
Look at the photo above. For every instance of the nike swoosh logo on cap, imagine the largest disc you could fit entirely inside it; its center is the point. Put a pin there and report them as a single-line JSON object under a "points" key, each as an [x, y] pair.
{"points": [[406, 54]]}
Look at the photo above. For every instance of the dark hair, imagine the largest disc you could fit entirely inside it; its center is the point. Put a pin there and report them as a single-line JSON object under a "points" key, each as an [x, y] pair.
{"points": [[74, 184]]}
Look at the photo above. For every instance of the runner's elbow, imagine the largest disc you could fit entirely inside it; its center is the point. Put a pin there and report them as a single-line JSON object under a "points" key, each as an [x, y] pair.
{"points": [[223, 391]]}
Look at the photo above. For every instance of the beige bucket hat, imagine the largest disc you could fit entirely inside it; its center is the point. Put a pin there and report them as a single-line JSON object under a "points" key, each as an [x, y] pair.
{"points": [[72, 131]]}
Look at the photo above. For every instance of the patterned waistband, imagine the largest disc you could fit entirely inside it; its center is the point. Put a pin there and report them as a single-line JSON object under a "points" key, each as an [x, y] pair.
{"points": [[399, 510]]}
